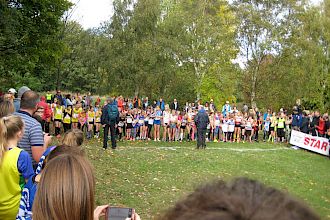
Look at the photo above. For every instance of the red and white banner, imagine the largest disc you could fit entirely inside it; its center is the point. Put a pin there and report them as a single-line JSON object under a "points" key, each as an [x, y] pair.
{"points": [[317, 144]]}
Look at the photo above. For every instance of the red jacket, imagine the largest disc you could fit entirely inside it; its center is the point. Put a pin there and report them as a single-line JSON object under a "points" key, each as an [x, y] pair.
{"points": [[47, 111], [321, 126]]}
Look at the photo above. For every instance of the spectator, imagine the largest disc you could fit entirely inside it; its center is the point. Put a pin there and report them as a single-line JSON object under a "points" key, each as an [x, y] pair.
{"points": [[245, 108], [321, 127], [174, 105], [30, 188], [33, 141], [49, 98], [161, 104], [240, 199], [15, 164], [109, 119], [89, 99], [305, 123], [145, 103], [59, 97], [68, 100], [17, 100], [213, 107], [296, 119], [201, 120], [6, 108], [226, 109], [47, 114], [12, 92], [315, 123], [59, 176]]}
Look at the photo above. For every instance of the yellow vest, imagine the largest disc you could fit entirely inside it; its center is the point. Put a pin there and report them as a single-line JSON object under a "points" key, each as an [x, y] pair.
{"points": [[10, 190], [280, 123], [75, 114], [67, 118], [98, 116], [91, 115], [58, 113], [48, 97]]}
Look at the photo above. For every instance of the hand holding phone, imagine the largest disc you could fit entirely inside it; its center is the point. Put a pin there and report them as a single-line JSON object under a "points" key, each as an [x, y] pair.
{"points": [[117, 213]]}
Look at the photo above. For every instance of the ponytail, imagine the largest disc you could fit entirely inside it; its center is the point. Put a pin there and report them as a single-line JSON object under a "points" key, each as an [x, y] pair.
{"points": [[3, 137], [9, 127]]}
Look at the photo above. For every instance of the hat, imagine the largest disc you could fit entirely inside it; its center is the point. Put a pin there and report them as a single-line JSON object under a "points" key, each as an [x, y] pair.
{"points": [[227, 102], [22, 90], [12, 90], [211, 100]]}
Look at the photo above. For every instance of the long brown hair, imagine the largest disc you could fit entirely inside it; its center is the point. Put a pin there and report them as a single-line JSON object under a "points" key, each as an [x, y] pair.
{"points": [[66, 190], [9, 127]]}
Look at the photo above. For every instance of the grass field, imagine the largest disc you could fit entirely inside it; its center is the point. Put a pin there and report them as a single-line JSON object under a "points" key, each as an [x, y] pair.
{"points": [[151, 176]]}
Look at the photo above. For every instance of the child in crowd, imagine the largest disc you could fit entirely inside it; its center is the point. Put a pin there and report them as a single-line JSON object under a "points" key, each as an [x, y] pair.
{"points": [[67, 118], [82, 118], [97, 122], [15, 166], [91, 120], [225, 124], [266, 128], [231, 128], [157, 122], [75, 116], [58, 116]]}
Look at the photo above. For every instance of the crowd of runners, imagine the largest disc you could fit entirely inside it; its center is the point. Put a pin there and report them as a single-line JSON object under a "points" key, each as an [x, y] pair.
{"points": [[142, 119]]}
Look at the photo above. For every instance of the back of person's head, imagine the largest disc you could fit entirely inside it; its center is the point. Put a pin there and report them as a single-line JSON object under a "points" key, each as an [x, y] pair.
{"points": [[10, 126], [64, 149], [6, 108], [66, 190], [29, 100], [73, 137], [22, 90], [242, 199]]}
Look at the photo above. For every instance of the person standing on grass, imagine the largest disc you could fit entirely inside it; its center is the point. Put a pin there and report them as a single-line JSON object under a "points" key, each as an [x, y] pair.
{"points": [[109, 119], [201, 121]]}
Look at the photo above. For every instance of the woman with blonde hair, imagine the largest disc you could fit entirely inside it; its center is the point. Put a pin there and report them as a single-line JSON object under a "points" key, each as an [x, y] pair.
{"points": [[73, 138], [72, 174], [6, 108], [15, 166]]}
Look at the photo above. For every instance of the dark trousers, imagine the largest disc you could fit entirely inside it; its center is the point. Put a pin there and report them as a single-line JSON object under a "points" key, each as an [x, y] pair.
{"points": [[66, 127], [112, 133], [201, 134]]}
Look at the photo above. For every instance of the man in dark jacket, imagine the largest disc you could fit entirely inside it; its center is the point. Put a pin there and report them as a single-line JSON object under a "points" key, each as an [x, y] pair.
{"points": [[109, 119], [305, 123], [174, 105], [201, 121]]}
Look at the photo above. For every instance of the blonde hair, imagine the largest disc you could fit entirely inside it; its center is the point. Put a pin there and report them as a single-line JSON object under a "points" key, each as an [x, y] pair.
{"points": [[6, 108], [73, 138], [9, 127], [66, 190]]}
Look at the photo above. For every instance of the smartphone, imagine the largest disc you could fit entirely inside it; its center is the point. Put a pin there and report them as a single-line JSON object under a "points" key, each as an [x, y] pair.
{"points": [[117, 213]]}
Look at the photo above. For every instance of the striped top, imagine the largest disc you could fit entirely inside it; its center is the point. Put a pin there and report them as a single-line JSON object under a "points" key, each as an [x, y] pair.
{"points": [[33, 135]]}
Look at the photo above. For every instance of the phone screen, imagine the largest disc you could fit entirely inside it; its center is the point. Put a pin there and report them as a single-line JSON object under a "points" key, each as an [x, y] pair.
{"points": [[116, 213]]}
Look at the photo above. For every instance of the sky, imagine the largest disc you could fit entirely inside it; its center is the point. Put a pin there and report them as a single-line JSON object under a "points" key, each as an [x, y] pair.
{"points": [[90, 13]]}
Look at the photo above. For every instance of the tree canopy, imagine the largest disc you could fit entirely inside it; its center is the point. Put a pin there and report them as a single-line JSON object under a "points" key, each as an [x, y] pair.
{"points": [[263, 53]]}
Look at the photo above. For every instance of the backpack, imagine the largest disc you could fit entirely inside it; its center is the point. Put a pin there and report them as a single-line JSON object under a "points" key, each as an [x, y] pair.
{"points": [[113, 112]]}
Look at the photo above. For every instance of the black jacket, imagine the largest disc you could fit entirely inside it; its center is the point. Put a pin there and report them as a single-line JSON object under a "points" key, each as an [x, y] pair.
{"points": [[305, 125], [202, 119], [172, 106]]}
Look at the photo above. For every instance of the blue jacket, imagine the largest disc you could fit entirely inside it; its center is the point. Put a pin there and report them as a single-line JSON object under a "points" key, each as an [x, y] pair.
{"points": [[296, 120], [161, 105]]}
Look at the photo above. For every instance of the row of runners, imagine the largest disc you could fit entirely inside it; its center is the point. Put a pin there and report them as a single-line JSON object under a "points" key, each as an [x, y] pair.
{"points": [[158, 121]]}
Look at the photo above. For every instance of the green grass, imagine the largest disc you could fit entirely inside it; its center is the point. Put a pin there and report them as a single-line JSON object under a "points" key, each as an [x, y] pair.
{"points": [[151, 179]]}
